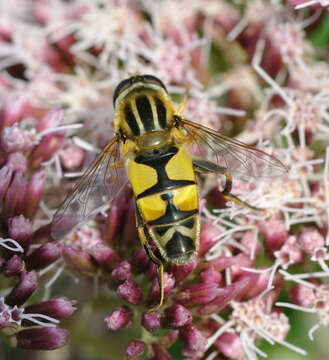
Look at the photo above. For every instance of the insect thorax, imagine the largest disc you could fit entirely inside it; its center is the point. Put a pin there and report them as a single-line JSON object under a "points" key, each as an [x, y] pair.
{"points": [[144, 111]]}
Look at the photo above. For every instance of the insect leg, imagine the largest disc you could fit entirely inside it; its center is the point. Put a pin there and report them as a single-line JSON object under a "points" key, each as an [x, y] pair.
{"points": [[144, 238], [228, 196], [205, 166], [182, 105], [159, 265]]}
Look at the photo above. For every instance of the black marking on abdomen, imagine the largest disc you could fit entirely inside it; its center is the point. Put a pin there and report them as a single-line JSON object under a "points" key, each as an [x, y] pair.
{"points": [[145, 113], [158, 163], [131, 121], [172, 214], [189, 223], [162, 113], [179, 245], [161, 230]]}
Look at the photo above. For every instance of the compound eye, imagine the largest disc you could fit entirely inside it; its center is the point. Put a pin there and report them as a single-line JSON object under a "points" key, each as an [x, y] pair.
{"points": [[123, 85], [153, 80]]}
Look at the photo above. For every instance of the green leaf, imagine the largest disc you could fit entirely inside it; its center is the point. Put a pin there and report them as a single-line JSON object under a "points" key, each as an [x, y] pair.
{"points": [[320, 37]]}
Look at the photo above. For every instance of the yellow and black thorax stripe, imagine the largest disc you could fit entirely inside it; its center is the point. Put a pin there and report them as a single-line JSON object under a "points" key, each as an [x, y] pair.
{"points": [[141, 108]]}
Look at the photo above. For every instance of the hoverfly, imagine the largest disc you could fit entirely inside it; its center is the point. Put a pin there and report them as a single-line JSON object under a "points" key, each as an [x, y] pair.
{"points": [[150, 143]]}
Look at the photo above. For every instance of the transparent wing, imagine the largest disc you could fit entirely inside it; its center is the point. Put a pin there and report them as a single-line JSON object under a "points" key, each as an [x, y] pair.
{"points": [[101, 183], [239, 158]]}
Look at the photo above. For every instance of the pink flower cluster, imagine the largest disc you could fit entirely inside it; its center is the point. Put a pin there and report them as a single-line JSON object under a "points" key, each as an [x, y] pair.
{"points": [[251, 71]]}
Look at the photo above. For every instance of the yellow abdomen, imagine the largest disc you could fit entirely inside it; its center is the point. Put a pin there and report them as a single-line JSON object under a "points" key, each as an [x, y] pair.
{"points": [[164, 185]]}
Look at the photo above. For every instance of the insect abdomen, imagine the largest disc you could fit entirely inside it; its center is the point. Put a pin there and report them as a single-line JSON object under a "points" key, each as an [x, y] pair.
{"points": [[167, 199]]}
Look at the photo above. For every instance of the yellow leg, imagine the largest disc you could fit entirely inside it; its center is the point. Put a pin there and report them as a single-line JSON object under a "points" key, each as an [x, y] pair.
{"points": [[182, 105], [204, 166], [228, 196], [156, 261]]}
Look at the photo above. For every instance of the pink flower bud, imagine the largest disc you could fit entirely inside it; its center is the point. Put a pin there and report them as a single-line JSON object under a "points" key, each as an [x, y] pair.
{"points": [[226, 294], [14, 266], [230, 345], [140, 261], [15, 195], [151, 272], [112, 223], [59, 308], [72, 157], [135, 348], [79, 260], [11, 110], [176, 316], [150, 320], [168, 285], [48, 338], [121, 273], [194, 342], [6, 173], [260, 283], [13, 139], [311, 239], [208, 326], [119, 318], [181, 272], [250, 241], [46, 149], [16, 313], [6, 315], [302, 295], [43, 256], [208, 235], [275, 234], [130, 292], [197, 294], [222, 262], [290, 253], [114, 219], [105, 256], [24, 289], [51, 120], [243, 260], [17, 161], [272, 62], [33, 194], [211, 276], [20, 229]]}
